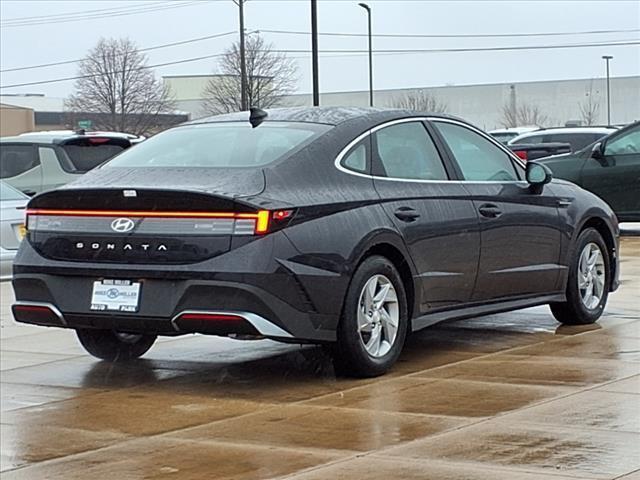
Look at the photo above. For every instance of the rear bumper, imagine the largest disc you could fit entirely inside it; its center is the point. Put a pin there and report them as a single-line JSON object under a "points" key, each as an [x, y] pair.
{"points": [[164, 303], [250, 285]]}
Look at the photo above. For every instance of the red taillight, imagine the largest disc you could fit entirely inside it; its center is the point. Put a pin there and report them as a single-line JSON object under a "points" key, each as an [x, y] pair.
{"points": [[98, 140], [38, 314], [210, 316], [259, 221], [280, 215], [522, 154]]}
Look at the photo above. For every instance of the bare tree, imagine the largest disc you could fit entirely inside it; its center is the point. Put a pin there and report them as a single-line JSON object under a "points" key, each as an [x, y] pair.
{"points": [[523, 115], [590, 106], [116, 90], [509, 115], [420, 100], [270, 77]]}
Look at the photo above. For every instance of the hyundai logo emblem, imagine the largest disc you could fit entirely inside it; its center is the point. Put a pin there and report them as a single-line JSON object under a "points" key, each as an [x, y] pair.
{"points": [[122, 225]]}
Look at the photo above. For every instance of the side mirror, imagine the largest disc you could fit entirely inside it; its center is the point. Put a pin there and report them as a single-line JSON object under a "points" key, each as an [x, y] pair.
{"points": [[597, 153], [538, 175]]}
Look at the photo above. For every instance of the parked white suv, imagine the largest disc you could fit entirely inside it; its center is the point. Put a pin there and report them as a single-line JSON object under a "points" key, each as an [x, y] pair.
{"points": [[41, 161], [577, 137]]}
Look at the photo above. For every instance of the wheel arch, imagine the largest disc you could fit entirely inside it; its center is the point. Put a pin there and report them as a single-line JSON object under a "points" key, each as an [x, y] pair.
{"points": [[602, 226], [390, 246]]}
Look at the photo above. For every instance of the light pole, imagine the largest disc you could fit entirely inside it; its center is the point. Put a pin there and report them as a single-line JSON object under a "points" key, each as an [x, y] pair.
{"points": [[243, 61], [368, 9], [314, 52], [607, 58]]}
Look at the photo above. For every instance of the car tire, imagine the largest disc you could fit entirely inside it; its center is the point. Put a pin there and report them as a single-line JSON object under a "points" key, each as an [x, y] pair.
{"points": [[367, 345], [579, 308], [114, 346]]}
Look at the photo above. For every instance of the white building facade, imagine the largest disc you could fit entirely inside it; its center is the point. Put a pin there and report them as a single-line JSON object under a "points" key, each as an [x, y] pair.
{"points": [[560, 101]]}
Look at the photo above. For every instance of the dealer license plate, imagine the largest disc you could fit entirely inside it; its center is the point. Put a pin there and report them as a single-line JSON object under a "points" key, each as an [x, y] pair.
{"points": [[118, 295]]}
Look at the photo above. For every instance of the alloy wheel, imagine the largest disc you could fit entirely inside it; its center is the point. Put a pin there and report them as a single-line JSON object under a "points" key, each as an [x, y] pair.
{"points": [[591, 276], [378, 316]]}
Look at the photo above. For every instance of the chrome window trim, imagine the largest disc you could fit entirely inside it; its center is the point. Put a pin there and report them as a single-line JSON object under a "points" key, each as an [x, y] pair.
{"points": [[362, 136]]}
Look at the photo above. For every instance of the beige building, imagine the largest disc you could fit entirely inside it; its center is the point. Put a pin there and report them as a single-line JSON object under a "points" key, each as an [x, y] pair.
{"points": [[15, 120]]}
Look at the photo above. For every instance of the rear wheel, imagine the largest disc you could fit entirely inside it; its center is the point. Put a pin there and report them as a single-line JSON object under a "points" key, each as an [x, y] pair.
{"points": [[588, 282], [374, 321], [115, 346]]}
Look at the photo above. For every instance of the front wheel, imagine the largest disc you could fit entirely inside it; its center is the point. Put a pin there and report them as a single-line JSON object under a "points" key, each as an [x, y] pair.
{"points": [[114, 346], [374, 321], [588, 282]]}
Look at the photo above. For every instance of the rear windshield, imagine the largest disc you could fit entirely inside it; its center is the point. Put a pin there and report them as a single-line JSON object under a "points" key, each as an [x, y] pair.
{"points": [[504, 137], [228, 145], [87, 154]]}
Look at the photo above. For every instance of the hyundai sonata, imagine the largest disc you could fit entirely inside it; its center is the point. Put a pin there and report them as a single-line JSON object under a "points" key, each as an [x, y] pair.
{"points": [[342, 226]]}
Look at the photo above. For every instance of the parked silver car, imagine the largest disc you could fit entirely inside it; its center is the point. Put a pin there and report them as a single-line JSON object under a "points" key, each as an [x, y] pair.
{"points": [[12, 229]]}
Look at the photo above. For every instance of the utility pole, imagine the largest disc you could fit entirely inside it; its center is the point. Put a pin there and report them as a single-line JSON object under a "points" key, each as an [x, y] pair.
{"points": [[314, 52], [243, 61], [368, 9], [607, 58]]}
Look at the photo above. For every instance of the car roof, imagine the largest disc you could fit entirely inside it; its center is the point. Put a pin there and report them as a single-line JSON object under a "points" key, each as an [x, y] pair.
{"points": [[323, 115], [514, 130], [564, 130], [59, 136], [545, 131]]}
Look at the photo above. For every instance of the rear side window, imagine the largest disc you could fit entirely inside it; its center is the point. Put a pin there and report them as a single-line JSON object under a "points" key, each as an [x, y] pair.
{"points": [[478, 158], [406, 151], [86, 154], [357, 159], [17, 159], [228, 145]]}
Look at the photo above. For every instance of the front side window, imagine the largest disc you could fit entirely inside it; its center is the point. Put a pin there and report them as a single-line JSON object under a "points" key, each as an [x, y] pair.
{"points": [[406, 151], [478, 158], [17, 159], [626, 144], [219, 145]]}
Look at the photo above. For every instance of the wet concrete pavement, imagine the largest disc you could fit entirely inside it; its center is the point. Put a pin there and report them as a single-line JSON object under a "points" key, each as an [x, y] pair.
{"points": [[510, 396]]}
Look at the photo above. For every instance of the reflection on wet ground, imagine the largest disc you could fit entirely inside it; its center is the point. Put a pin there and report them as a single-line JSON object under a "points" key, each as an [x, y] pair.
{"points": [[510, 396]]}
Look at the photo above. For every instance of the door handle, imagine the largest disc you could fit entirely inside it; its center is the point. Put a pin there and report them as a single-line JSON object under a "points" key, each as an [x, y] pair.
{"points": [[406, 214], [489, 210]]}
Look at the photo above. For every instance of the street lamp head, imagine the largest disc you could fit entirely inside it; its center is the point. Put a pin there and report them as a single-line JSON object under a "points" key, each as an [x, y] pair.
{"points": [[607, 57], [365, 6]]}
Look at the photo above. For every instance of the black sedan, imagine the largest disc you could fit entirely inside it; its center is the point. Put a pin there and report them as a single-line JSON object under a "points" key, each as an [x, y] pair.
{"points": [[341, 226]]}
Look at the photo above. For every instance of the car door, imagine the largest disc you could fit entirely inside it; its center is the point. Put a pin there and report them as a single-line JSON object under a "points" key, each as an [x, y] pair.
{"points": [[20, 167], [520, 229], [436, 219], [615, 177]]}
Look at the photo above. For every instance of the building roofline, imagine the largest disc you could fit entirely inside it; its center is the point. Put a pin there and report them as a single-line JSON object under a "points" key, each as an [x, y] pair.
{"points": [[494, 84]]}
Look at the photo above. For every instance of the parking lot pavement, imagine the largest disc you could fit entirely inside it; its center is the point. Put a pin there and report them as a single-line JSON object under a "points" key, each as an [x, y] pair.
{"points": [[501, 397]]}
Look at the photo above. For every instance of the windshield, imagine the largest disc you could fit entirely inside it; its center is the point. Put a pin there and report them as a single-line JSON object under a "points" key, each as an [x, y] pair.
{"points": [[8, 193], [228, 145]]}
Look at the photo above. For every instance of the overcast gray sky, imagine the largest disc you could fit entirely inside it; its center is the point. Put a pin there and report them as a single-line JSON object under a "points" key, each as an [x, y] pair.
{"points": [[161, 22]]}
